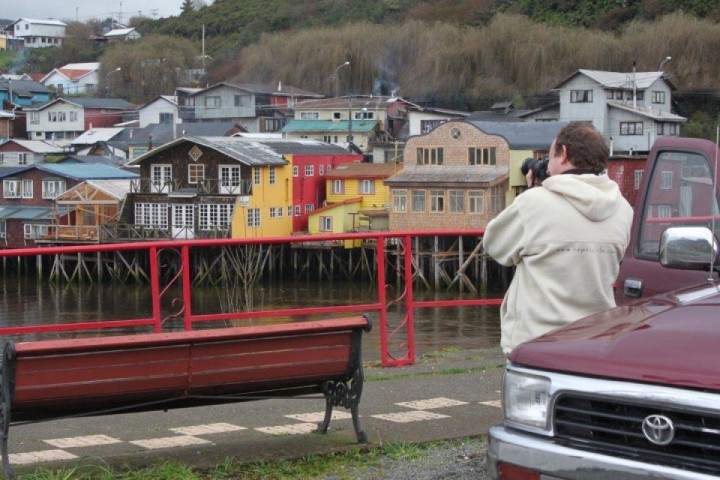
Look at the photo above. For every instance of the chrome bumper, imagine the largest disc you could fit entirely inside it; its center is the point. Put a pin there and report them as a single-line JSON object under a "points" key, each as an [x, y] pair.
{"points": [[555, 462]]}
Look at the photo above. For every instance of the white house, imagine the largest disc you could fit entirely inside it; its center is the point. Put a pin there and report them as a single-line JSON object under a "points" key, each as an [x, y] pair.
{"points": [[422, 120], [15, 152], [121, 34], [38, 33], [164, 109], [630, 109], [73, 78], [56, 120]]}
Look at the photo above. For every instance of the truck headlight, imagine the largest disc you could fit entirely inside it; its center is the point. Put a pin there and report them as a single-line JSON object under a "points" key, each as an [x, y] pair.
{"points": [[526, 399]]}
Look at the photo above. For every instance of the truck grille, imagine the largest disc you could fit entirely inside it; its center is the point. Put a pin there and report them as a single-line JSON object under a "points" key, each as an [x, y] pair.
{"points": [[614, 427]]}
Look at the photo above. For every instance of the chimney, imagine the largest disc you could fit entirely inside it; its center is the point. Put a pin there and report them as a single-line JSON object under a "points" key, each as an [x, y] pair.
{"points": [[149, 142], [279, 86]]}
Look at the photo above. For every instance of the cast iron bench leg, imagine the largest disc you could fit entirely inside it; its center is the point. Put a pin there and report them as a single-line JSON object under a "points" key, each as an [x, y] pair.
{"points": [[7, 372], [348, 396]]}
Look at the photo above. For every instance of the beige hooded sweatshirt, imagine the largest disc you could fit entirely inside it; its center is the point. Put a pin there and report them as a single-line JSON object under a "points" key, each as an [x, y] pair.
{"points": [[566, 239]]}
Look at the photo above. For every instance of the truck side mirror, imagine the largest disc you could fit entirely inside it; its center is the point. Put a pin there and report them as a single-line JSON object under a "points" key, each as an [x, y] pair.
{"points": [[689, 248]]}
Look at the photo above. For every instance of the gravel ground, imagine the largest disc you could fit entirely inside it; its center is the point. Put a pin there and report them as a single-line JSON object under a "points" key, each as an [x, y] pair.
{"points": [[460, 460]]}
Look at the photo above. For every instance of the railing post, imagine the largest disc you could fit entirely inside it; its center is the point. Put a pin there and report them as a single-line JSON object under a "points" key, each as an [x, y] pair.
{"points": [[186, 286], [409, 299], [155, 289], [382, 299]]}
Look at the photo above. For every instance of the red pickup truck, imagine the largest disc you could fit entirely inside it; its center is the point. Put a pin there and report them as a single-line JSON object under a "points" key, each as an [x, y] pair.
{"points": [[633, 392]]}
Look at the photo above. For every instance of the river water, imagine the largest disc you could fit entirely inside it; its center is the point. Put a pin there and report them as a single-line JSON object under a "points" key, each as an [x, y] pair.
{"points": [[25, 301]]}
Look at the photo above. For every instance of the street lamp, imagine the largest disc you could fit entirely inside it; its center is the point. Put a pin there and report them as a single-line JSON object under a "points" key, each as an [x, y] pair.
{"points": [[667, 59], [107, 83], [337, 78]]}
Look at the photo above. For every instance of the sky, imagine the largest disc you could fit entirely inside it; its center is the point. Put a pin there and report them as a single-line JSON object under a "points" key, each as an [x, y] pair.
{"points": [[84, 10]]}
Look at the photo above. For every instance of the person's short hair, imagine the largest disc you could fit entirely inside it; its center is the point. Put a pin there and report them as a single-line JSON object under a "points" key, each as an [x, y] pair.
{"points": [[585, 146]]}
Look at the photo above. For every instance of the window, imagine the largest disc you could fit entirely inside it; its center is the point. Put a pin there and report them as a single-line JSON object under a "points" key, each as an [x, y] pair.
{"points": [[257, 177], [367, 187], [326, 224], [309, 170], [273, 212], [329, 139], [666, 180], [658, 96], [338, 186], [166, 118], [73, 116], [3, 229], [253, 217], [279, 211], [364, 115], [475, 201], [429, 156], [321, 170], [664, 211], [2, 158], [34, 117], [212, 101], [437, 201], [631, 128], [296, 171], [418, 201], [457, 201], [581, 96], [11, 189], [52, 188], [298, 211], [34, 231], [161, 177], [151, 215], [272, 176], [399, 200], [62, 117], [196, 173], [309, 208], [272, 124], [666, 128], [26, 188], [309, 115], [482, 156], [497, 198], [214, 216], [337, 115], [22, 158], [230, 180], [426, 126], [242, 100], [638, 174]]}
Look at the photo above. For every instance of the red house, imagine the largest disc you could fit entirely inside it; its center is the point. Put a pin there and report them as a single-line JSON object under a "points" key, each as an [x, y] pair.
{"points": [[627, 171], [309, 171]]}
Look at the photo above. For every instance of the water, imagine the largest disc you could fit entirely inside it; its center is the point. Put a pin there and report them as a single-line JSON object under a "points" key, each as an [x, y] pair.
{"points": [[26, 302]]}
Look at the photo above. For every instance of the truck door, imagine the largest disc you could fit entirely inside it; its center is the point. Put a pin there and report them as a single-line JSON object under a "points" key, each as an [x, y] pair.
{"points": [[678, 189]]}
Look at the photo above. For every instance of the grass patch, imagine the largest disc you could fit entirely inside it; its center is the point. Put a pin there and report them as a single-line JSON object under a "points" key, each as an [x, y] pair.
{"points": [[345, 464], [7, 58]]}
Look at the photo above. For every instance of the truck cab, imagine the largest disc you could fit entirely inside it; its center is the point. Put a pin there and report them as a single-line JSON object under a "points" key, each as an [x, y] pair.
{"points": [[678, 188]]}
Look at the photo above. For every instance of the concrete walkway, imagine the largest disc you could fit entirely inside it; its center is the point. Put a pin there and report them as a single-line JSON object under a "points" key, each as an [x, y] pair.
{"points": [[443, 396]]}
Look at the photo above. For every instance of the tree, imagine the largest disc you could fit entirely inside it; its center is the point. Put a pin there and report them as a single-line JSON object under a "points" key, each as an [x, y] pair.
{"points": [[149, 67], [188, 6]]}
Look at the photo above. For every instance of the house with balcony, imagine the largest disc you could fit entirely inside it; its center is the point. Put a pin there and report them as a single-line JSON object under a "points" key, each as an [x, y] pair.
{"points": [[257, 108], [463, 173], [16, 152], [27, 198], [38, 33], [630, 109], [211, 187], [344, 121], [73, 79], [357, 200]]}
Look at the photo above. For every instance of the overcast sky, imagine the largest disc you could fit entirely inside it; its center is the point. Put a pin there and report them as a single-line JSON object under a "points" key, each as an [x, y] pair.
{"points": [[84, 10]]}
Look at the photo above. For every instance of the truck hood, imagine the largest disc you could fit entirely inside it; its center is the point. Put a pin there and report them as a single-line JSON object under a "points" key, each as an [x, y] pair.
{"points": [[672, 339]]}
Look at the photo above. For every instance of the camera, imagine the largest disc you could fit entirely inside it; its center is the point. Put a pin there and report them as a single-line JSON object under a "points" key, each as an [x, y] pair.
{"points": [[538, 166]]}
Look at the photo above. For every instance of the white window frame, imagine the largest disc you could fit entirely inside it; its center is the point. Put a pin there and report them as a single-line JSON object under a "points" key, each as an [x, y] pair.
{"points": [[581, 96], [637, 178], [196, 173], [457, 201], [230, 177], [151, 215], [253, 218], [326, 224], [664, 211], [437, 201], [52, 188], [666, 179], [309, 170], [3, 229], [161, 177], [296, 171], [272, 175], [338, 186], [309, 208], [12, 188], [399, 200], [476, 201], [367, 187], [257, 176], [309, 115]]}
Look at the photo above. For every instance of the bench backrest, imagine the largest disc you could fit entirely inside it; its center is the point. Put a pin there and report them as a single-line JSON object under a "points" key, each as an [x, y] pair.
{"points": [[65, 376]]}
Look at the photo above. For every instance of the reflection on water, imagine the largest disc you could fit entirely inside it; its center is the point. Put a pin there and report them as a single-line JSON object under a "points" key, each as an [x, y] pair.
{"points": [[26, 302]]}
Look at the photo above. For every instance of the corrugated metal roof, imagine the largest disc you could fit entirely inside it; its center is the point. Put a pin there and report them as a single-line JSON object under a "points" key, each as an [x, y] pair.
{"points": [[296, 126], [364, 170], [35, 146], [8, 171], [620, 80], [340, 103], [450, 174], [113, 103], [25, 213], [523, 135], [85, 171], [115, 188], [658, 114], [96, 135]]}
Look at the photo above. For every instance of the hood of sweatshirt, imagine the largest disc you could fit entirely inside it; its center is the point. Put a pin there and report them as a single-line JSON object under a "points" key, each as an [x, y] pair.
{"points": [[594, 196]]}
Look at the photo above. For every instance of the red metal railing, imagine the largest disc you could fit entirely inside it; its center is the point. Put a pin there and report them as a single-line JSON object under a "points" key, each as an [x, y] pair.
{"points": [[387, 334]]}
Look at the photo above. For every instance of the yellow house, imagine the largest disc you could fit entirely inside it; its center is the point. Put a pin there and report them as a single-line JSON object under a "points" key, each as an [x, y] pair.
{"points": [[268, 211]]}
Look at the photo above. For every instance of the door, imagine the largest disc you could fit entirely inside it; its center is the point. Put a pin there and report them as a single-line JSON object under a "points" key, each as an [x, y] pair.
{"points": [[183, 222]]}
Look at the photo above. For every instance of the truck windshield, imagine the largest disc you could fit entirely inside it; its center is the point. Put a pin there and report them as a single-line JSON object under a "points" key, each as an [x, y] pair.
{"points": [[680, 192]]}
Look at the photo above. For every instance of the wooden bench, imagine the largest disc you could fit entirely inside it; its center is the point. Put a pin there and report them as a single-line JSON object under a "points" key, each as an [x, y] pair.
{"points": [[52, 379]]}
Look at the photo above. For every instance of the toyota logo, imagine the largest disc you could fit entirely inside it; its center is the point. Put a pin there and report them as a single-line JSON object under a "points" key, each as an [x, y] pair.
{"points": [[658, 429]]}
